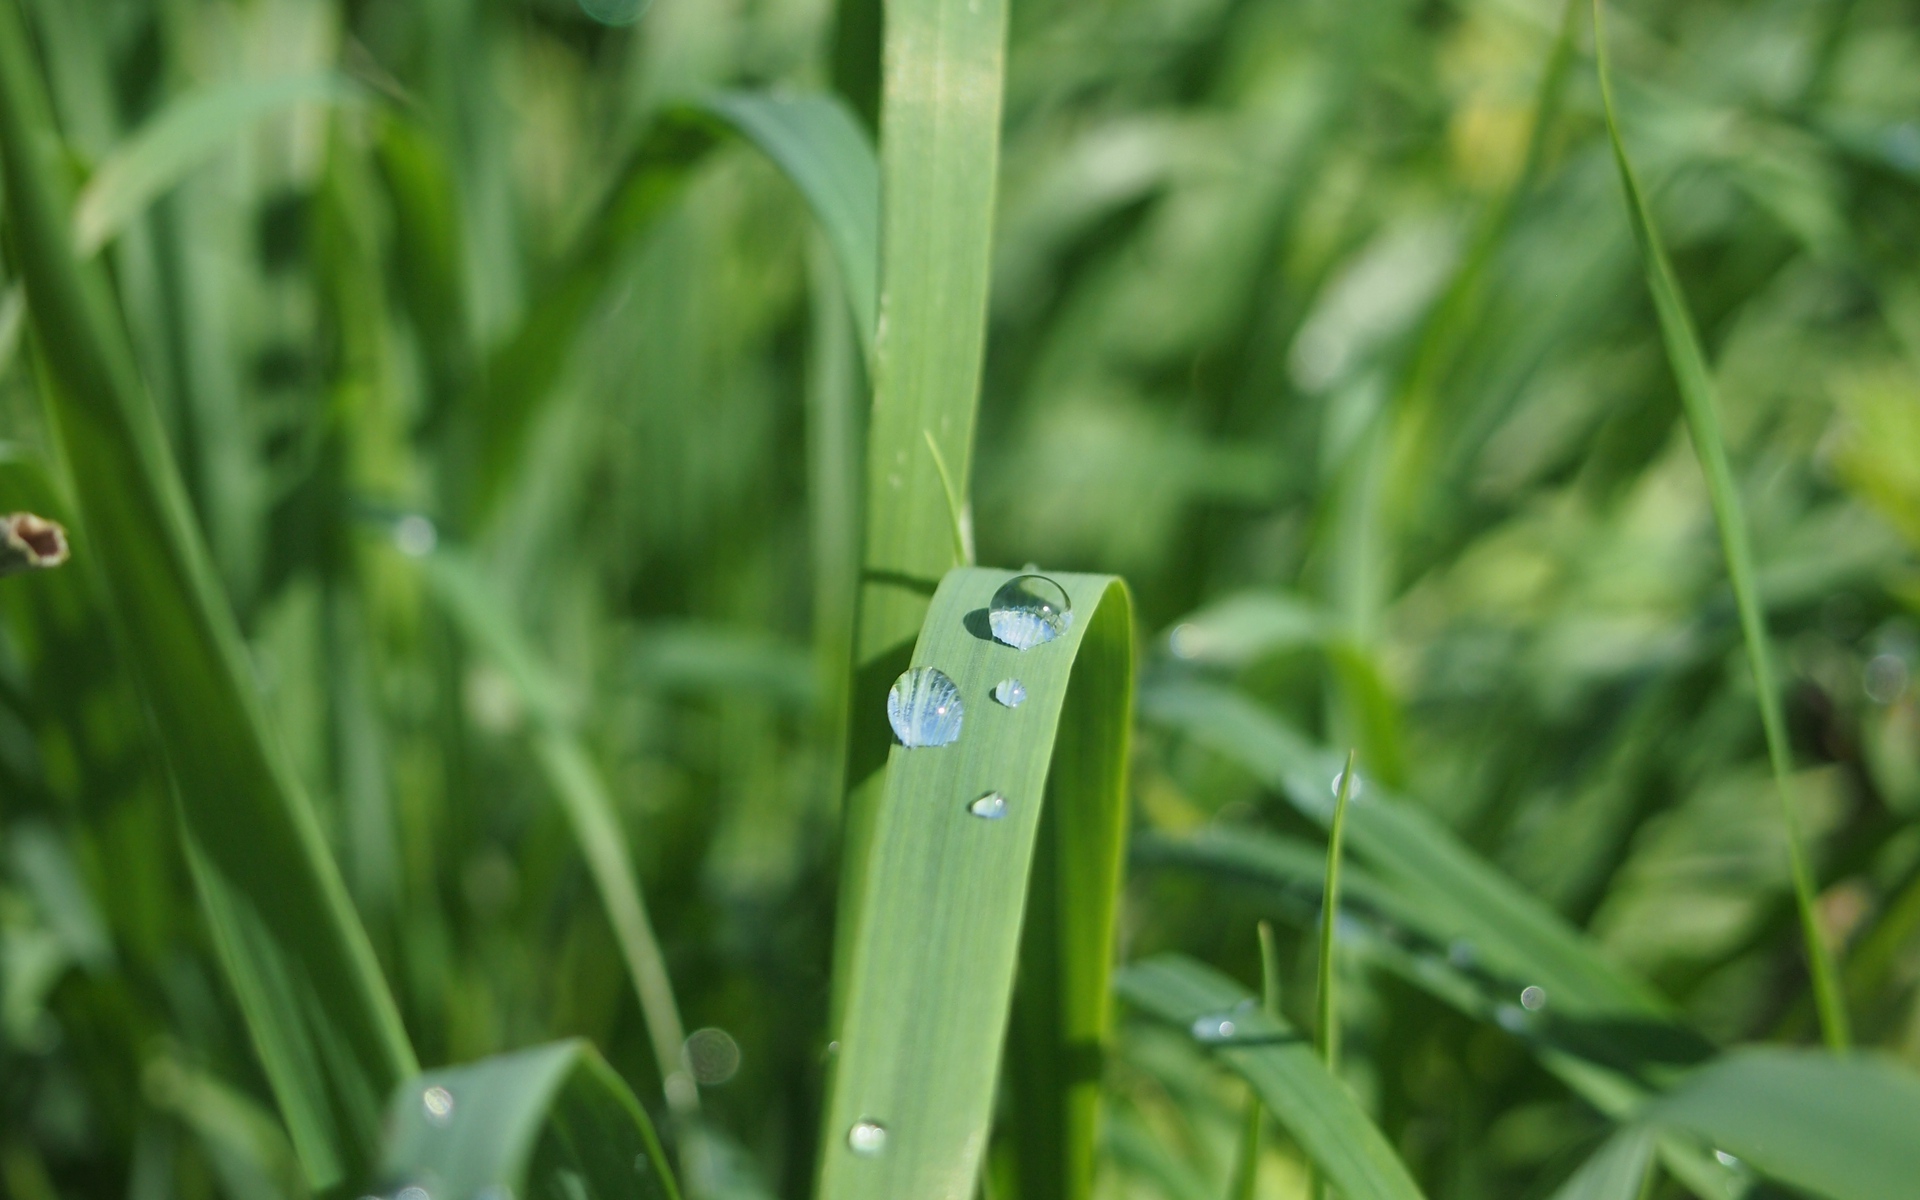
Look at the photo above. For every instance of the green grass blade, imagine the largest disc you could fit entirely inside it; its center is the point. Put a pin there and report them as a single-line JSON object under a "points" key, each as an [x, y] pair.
{"points": [[1245, 1182], [1840, 1126], [1617, 1170], [186, 134], [1281, 1064], [1326, 1029], [1701, 407], [931, 964], [319, 1013], [555, 1120], [818, 142], [582, 792]]}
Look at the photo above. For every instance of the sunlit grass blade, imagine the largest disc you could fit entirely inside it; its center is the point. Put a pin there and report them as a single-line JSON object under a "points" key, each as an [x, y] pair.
{"points": [[818, 142], [1838, 1126], [1326, 1027], [184, 135], [582, 792], [1313, 1106], [555, 1120], [930, 970], [1699, 403], [1617, 1170], [1244, 1184], [322, 1022]]}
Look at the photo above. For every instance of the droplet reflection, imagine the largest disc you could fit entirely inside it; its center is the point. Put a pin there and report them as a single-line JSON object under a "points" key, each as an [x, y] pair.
{"points": [[924, 708], [1028, 611]]}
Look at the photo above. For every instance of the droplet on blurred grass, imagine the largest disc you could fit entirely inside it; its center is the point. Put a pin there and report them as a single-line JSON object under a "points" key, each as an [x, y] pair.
{"points": [[1533, 998], [438, 1103], [1214, 1028], [415, 535], [1029, 611], [30, 543], [1359, 784], [711, 1055], [867, 1138], [924, 708]]}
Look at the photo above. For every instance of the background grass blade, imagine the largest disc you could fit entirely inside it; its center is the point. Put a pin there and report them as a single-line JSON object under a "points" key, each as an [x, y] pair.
{"points": [[321, 1019], [582, 793], [1837, 1126], [550, 1121], [931, 965], [1703, 422], [1617, 1170], [161, 153], [1281, 1064]]}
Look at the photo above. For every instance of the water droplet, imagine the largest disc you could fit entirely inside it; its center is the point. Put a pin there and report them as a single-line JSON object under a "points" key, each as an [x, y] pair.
{"points": [[1885, 678], [412, 1192], [991, 806], [1533, 998], [1010, 692], [711, 1055], [1727, 1160], [1214, 1028], [1184, 641], [1029, 610], [415, 535], [867, 1138], [1359, 784], [924, 708], [438, 1102]]}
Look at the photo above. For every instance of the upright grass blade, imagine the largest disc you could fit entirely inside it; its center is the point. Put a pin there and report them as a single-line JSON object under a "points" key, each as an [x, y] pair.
{"points": [[1326, 1029], [577, 782], [1314, 1107], [187, 133], [321, 1019], [552, 1121], [1838, 1126], [1703, 422], [1617, 1171], [1245, 1181], [930, 968]]}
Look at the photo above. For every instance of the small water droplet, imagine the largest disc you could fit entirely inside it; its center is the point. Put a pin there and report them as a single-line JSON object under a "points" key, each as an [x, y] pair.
{"points": [[924, 708], [438, 1102], [1184, 641], [1885, 678], [415, 535], [1214, 1028], [1010, 692], [867, 1138], [1028, 611], [711, 1055], [1359, 784], [991, 806], [1533, 997], [1727, 1160]]}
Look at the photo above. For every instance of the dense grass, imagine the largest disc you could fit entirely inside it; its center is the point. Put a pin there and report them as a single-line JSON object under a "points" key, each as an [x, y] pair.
{"points": [[508, 456]]}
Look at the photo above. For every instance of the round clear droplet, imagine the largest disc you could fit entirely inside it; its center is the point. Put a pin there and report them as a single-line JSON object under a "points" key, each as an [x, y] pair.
{"points": [[1010, 692], [711, 1056], [924, 708], [1214, 1028], [1533, 998], [867, 1138], [415, 535], [990, 807], [1028, 611], [1184, 641], [1359, 784], [438, 1103]]}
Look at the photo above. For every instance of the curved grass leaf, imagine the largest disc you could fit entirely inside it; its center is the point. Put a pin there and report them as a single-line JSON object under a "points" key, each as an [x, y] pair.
{"points": [[1617, 1170], [1698, 402], [1282, 1066], [931, 966], [555, 1120], [1841, 1126], [577, 782], [319, 1013], [187, 133]]}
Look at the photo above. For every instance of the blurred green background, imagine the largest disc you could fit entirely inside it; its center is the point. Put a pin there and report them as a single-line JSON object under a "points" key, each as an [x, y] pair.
{"points": [[1322, 323]]}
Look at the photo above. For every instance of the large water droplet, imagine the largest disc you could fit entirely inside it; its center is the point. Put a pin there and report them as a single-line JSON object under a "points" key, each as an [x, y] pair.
{"points": [[924, 708], [1029, 610], [991, 806], [1533, 997], [1010, 692], [438, 1103], [867, 1138]]}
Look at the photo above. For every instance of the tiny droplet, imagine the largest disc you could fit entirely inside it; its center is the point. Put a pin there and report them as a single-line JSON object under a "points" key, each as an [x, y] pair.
{"points": [[1727, 1160], [1214, 1028], [415, 535], [924, 708], [1010, 692], [1184, 641], [438, 1102], [991, 806], [1533, 998], [1359, 784], [1028, 611], [867, 1138]]}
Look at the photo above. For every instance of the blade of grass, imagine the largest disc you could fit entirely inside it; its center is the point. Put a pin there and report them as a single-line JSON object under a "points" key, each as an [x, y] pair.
{"points": [[520, 1124], [931, 963], [318, 1011], [1326, 1029], [1304, 1097], [1245, 1181], [1701, 407], [185, 134], [1618, 1170], [582, 793]]}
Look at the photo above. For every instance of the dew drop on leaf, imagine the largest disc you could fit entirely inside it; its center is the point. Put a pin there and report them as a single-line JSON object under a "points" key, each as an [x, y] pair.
{"points": [[990, 807], [1010, 692], [867, 1138], [924, 708], [1028, 611]]}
